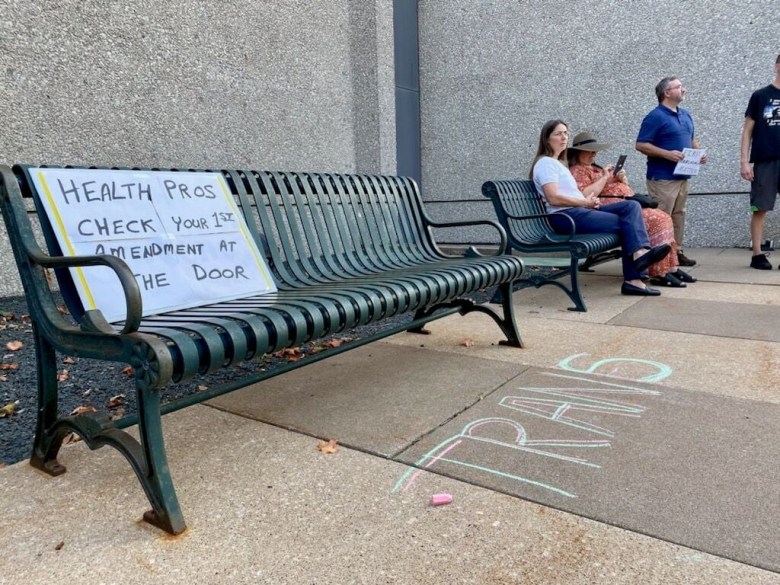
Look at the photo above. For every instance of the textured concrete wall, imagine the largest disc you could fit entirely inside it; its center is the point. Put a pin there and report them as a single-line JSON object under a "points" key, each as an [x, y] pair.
{"points": [[493, 71], [266, 83], [272, 84]]}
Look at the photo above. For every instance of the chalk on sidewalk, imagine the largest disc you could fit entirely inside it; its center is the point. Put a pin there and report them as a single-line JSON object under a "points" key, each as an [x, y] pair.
{"points": [[441, 499]]}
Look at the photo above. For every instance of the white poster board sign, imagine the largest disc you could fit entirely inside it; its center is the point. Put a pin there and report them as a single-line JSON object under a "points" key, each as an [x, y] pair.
{"points": [[691, 162], [180, 233]]}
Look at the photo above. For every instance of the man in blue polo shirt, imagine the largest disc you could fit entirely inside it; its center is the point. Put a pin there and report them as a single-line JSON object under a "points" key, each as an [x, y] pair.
{"points": [[664, 133]]}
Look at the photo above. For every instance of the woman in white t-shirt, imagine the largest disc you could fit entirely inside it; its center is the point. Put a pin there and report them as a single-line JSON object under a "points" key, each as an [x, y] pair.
{"points": [[555, 183]]}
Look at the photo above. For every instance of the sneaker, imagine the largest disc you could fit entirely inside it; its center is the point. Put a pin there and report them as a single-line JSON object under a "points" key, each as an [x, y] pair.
{"points": [[759, 261], [683, 260]]}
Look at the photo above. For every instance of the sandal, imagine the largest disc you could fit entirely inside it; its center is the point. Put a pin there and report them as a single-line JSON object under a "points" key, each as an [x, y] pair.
{"points": [[668, 280], [684, 276]]}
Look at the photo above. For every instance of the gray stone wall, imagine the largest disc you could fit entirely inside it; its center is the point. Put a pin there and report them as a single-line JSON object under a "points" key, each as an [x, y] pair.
{"points": [[493, 71], [308, 84], [271, 84], [264, 84]]}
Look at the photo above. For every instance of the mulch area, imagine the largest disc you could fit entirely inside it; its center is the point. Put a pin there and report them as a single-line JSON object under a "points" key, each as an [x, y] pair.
{"points": [[87, 384]]}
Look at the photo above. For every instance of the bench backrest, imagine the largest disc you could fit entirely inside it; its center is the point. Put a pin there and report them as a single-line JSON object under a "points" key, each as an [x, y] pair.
{"points": [[312, 227], [317, 227], [519, 198]]}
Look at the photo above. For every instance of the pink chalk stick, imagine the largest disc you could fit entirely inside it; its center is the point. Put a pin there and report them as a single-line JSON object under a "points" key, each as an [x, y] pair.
{"points": [[441, 499]]}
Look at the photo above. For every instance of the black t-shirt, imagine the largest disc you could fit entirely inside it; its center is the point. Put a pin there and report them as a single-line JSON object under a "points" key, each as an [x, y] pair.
{"points": [[764, 109]]}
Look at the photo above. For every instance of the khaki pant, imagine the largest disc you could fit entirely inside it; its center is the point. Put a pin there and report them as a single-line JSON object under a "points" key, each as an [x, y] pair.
{"points": [[672, 197]]}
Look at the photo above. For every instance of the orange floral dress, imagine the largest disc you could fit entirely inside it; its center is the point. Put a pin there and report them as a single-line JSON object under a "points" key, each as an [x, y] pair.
{"points": [[657, 223]]}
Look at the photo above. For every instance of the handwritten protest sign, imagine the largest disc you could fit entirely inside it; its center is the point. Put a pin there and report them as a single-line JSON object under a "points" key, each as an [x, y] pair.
{"points": [[691, 162], [180, 233]]}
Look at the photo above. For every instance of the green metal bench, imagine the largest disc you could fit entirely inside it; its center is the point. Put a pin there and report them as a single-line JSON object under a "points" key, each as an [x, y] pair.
{"points": [[345, 251], [521, 211]]}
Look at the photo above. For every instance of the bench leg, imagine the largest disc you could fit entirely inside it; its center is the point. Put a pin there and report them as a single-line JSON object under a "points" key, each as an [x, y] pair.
{"points": [[508, 324], [146, 458], [574, 294], [420, 314], [46, 444], [156, 477]]}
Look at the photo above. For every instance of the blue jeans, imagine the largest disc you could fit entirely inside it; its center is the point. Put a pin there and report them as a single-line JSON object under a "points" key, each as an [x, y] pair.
{"points": [[623, 218]]}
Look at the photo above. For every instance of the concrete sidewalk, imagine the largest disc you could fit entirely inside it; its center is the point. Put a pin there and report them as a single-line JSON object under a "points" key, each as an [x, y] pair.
{"points": [[635, 443]]}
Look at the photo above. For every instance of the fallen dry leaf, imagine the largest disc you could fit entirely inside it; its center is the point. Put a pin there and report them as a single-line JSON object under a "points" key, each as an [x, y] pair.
{"points": [[8, 409], [68, 360], [468, 342], [117, 414], [25, 318], [59, 545], [116, 401], [71, 438], [62, 310], [3, 378], [9, 366], [290, 354], [327, 447], [62, 376], [14, 345], [83, 410], [128, 371], [202, 388]]}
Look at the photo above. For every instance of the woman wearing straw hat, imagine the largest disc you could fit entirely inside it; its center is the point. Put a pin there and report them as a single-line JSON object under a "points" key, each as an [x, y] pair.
{"points": [[593, 179], [569, 208]]}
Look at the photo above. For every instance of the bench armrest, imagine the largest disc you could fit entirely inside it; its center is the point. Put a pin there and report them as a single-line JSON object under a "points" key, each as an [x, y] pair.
{"points": [[472, 251], [571, 233], [130, 288]]}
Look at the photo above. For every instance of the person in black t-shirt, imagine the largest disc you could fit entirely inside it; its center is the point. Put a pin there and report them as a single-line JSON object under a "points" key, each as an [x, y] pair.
{"points": [[761, 139]]}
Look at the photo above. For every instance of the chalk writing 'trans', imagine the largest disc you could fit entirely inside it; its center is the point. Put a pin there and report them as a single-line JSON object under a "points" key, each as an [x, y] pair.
{"points": [[181, 234]]}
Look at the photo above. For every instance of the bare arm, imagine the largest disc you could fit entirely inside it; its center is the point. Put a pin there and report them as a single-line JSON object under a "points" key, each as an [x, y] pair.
{"points": [[649, 149], [554, 197], [595, 188], [745, 168]]}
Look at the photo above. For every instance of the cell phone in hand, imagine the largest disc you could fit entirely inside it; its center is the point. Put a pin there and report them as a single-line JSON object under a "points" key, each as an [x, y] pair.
{"points": [[619, 166]]}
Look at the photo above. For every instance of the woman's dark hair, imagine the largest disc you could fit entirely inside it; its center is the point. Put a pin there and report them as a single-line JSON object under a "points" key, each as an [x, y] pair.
{"points": [[544, 144], [574, 159]]}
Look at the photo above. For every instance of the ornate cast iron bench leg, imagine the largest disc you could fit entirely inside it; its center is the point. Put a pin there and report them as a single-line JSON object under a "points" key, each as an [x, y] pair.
{"points": [[507, 323], [147, 458], [156, 479], [46, 444]]}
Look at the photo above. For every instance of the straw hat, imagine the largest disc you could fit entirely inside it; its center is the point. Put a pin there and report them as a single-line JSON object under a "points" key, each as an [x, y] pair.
{"points": [[587, 141]]}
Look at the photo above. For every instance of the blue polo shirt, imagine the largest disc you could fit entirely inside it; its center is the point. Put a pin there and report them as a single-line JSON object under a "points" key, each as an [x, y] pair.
{"points": [[669, 130]]}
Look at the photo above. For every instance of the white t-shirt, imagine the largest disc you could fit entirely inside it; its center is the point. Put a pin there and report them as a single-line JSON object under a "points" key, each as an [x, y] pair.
{"points": [[549, 170]]}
